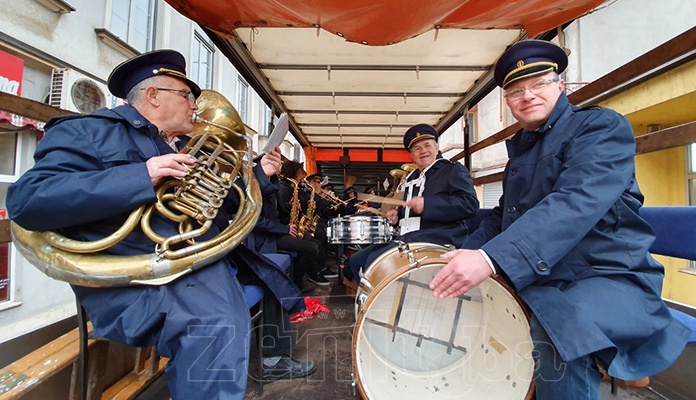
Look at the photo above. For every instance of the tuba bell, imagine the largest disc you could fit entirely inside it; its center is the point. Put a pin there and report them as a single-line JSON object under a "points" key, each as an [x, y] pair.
{"points": [[223, 156]]}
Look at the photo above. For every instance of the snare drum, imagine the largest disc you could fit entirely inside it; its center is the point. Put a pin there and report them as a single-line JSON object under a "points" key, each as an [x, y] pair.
{"points": [[359, 230], [408, 344]]}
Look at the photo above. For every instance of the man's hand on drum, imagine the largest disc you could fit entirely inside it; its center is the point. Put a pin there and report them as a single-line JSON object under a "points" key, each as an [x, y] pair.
{"points": [[272, 162], [465, 270], [393, 216], [293, 230]]}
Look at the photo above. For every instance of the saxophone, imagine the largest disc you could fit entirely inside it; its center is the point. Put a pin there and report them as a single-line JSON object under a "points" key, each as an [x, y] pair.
{"points": [[308, 222], [294, 203]]}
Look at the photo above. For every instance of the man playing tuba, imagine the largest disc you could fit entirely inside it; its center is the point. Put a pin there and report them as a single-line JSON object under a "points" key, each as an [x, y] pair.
{"points": [[92, 170]]}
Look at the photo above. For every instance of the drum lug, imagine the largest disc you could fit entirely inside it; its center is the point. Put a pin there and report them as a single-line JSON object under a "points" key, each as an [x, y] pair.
{"points": [[353, 385], [362, 298], [403, 246]]}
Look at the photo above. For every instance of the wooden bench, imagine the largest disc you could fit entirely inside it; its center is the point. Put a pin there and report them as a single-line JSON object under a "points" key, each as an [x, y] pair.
{"points": [[26, 374]]}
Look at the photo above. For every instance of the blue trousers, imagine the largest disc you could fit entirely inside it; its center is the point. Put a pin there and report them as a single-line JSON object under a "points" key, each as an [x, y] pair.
{"points": [[200, 322], [557, 379], [361, 260]]}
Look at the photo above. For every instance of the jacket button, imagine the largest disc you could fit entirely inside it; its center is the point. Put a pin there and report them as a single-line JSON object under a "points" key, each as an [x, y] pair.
{"points": [[542, 266], [511, 209], [513, 172], [136, 122]]}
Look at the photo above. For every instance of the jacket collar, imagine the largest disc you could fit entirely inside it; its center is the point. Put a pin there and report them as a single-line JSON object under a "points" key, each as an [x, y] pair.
{"points": [[558, 110]]}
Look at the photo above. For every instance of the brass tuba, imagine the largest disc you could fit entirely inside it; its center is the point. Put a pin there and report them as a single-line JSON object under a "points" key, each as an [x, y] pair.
{"points": [[223, 153]]}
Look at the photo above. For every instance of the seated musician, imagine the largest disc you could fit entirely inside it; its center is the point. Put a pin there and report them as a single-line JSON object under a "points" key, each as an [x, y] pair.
{"points": [[324, 211], [291, 204], [440, 197], [568, 236], [92, 170], [329, 190], [351, 201], [370, 190]]}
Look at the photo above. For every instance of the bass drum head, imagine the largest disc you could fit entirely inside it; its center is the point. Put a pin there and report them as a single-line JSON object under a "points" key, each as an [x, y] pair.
{"points": [[408, 344]]}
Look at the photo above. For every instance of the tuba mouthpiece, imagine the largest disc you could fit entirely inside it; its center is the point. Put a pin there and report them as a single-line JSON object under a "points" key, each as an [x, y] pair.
{"points": [[195, 118]]}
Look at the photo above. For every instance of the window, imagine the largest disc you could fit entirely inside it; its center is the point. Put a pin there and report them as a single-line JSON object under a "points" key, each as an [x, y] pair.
{"points": [[472, 124], [8, 148], [11, 145], [202, 59], [267, 121], [132, 22], [491, 194], [242, 98]]}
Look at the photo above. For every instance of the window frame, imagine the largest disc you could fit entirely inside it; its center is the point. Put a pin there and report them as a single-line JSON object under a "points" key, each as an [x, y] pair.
{"points": [[23, 160], [242, 98], [202, 44], [130, 27]]}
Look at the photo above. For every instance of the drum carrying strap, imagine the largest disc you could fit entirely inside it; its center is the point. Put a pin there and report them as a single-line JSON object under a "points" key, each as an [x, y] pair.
{"points": [[408, 223]]}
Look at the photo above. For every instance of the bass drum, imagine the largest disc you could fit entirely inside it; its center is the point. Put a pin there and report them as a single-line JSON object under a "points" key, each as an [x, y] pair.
{"points": [[408, 344]]}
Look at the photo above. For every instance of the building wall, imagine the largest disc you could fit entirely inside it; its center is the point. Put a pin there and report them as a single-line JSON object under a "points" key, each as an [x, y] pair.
{"points": [[491, 118], [46, 40], [606, 39]]}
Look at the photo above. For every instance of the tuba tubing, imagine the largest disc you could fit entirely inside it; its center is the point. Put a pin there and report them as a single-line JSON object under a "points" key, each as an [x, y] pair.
{"points": [[100, 270], [81, 263]]}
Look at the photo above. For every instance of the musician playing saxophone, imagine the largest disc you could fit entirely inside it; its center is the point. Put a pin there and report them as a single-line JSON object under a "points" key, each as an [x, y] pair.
{"points": [[293, 203], [440, 197], [92, 170]]}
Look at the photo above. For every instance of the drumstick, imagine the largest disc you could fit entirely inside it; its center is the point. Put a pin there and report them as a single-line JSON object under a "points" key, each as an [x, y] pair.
{"points": [[372, 210], [380, 199]]}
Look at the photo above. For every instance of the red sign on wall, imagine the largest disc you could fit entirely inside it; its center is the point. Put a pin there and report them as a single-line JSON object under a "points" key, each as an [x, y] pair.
{"points": [[11, 71]]}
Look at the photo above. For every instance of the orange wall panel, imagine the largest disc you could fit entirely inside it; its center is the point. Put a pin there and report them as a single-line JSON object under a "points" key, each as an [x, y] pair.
{"points": [[329, 154], [364, 155], [396, 156]]}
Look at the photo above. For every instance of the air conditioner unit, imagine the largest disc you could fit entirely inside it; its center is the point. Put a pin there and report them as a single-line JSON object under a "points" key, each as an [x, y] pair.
{"points": [[71, 90]]}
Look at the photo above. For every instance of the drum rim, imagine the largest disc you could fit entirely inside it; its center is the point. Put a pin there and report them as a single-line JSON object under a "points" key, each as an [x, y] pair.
{"points": [[334, 222], [349, 217], [421, 247], [357, 379]]}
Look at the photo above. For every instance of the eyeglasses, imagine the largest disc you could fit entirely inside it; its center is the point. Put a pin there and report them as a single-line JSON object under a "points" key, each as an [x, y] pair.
{"points": [[181, 92], [536, 88]]}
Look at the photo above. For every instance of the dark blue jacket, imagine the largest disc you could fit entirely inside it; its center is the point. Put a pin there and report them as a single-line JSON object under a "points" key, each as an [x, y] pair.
{"points": [[90, 173], [449, 200], [567, 235], [268, 227]]}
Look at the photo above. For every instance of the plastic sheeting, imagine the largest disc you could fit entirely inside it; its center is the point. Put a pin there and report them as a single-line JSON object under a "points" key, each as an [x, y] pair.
{"points": [[383, 22]]}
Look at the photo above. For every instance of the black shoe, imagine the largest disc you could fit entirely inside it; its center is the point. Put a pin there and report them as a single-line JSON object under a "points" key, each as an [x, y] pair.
{"points": [[328, 273], [288, 368], [319, 279]]}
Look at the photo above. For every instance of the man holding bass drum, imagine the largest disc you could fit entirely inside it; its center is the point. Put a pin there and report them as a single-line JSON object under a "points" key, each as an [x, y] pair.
{"points": [[567, 235]]}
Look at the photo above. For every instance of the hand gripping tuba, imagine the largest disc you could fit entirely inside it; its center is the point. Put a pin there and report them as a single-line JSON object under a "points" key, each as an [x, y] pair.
{"points": [[223, 153]]}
